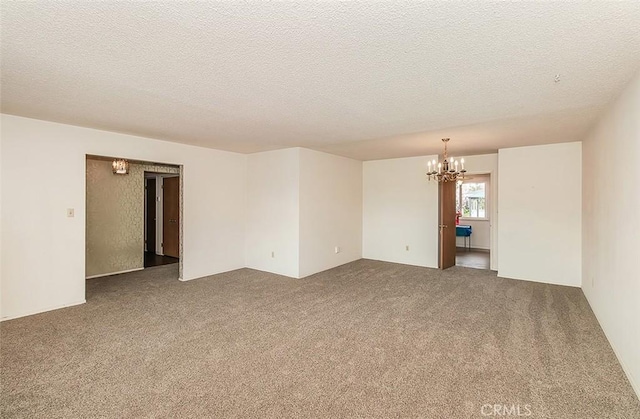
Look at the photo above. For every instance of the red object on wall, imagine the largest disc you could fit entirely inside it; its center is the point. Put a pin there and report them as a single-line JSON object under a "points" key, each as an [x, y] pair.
{"points": [[458, 218]]}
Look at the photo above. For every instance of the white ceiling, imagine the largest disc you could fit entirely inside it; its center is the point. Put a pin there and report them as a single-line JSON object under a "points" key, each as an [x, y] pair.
{"points": [[358, 79]]}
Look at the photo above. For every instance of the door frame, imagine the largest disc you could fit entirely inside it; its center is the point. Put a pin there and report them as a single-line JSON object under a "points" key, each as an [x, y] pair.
{"points": [[180, 174], [160, 218], [146, 211], [159, 208], [493, 217]]}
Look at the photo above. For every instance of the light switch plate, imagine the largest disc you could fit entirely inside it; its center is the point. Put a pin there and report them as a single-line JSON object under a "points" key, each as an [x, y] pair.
{"points": [[70, 212]]}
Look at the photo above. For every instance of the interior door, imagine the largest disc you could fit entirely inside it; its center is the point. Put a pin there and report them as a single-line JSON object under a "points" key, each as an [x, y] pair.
{"points": [[171, 216], [150, 211], [447, 218]]}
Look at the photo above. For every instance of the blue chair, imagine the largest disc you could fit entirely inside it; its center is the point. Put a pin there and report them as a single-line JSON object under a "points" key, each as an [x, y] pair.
{"points": [[464, 231]]}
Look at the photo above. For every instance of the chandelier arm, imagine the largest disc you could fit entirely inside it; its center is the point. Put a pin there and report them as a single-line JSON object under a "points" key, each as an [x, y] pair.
{"points": [[445, 171]]}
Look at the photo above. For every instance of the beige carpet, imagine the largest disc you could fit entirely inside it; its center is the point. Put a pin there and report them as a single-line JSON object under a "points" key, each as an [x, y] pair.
{"points": [[368, 339]]}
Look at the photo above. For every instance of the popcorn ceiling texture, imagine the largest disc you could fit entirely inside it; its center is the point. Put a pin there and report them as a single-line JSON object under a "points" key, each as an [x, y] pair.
{"points": [[348, 78]]}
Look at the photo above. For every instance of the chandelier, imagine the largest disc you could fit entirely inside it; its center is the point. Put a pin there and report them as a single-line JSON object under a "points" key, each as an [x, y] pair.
{"points": [[447, 170], [120, 167]]}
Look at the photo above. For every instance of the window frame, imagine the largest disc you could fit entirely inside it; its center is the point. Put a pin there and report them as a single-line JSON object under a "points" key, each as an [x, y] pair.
{"points": [[487, 185]]}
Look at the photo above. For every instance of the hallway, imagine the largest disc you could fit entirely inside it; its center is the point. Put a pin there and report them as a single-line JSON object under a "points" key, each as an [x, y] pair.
{"points": [[474, 258], [151, 259]]}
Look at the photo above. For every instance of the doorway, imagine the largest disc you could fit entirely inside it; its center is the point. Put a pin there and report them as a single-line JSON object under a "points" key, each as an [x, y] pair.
{"points": [[162, 219], [121, 207], [473, 228]]}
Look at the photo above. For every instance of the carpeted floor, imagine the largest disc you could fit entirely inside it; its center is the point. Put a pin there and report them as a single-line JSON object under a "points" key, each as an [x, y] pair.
{"points": [[367, 339]]}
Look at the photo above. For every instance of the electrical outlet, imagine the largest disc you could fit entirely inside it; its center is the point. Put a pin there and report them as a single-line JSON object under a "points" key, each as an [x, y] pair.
{"points": [[406, 248], [337, 249], [273, 254]]}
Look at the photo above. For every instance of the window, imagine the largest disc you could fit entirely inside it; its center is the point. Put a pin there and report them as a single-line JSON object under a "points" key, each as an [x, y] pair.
{"points": [[471, 199]]}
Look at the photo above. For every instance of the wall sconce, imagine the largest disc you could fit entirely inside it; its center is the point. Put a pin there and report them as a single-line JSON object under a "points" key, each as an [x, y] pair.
{"points": [[120, 167]]}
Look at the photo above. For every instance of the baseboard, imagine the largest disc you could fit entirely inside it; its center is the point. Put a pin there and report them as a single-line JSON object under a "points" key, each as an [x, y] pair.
{"points": [[191, 278], [114, 273], [516, 278], [476, 249], [420, 265], [43, 310], [306, 275], [635, 386]]}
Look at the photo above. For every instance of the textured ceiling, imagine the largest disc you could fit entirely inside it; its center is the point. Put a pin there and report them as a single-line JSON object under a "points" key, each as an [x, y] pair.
{"points": [[361, 79]]}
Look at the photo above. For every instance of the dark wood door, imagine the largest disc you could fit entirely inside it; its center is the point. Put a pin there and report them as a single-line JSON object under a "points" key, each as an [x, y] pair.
{"points": [[150, 211], [447, 226], [171, 216]]}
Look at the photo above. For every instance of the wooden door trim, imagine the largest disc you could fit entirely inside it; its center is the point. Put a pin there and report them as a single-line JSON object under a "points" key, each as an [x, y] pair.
{"points": [[444, 236]]}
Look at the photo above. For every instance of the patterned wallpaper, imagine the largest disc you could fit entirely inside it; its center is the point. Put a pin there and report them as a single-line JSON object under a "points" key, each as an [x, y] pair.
{"points": [[115, 217]]}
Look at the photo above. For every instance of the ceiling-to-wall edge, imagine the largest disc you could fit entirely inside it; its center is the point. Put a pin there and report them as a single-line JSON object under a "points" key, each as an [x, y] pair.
{"points": [[214, 227]]}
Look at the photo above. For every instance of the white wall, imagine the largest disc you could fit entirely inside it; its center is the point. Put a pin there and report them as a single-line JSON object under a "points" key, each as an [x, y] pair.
{"points": [[273, 211], [400, 208], [301, 204], [540, 213], [1, 270], [330, 211], [481, 234], [43, 174], [611, 204]]}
